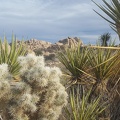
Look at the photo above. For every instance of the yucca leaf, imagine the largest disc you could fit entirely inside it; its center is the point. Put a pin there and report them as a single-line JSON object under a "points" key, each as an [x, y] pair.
{"points": [[113, 11]]}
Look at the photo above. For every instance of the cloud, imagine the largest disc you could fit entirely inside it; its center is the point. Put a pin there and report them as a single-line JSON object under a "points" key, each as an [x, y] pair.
{"points": [[51, 20]]}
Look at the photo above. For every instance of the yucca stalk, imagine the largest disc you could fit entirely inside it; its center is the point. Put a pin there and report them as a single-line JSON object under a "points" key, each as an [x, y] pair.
{"points": [[113, 11], [81, 109], [9, 54]]}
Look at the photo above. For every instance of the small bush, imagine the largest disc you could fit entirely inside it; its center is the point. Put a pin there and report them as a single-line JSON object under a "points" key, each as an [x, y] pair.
{"points": [[38, 52]]}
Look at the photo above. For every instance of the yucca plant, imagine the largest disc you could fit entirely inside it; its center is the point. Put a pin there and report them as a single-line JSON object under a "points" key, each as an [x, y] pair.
{"points": [[104, 39], [96, 65], [75, 60], [81, 109], [113, 11], [114, 90], [9, 54], [105, 67], [102, 62]]}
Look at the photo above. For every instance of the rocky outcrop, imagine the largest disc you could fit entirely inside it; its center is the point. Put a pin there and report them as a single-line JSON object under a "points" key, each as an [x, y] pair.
{"points": [[69, 41], [62, 44], [47, 48], [40, 47], [34, 44]]}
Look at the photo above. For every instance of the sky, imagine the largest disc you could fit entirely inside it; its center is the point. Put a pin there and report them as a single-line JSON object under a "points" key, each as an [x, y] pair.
{"points": [[53, 20]]}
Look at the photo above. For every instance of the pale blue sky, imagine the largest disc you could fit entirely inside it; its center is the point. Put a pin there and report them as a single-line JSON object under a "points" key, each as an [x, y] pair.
{"points": [[52, 20]]}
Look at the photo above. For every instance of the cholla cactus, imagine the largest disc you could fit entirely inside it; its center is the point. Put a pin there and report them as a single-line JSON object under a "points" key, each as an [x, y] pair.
{"points": [[39, 95], [4, 80]]}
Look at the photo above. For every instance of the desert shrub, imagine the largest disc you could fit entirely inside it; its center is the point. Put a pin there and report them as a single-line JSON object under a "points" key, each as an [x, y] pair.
{"points": [[50, 57], [38, 52], [38, 96]]}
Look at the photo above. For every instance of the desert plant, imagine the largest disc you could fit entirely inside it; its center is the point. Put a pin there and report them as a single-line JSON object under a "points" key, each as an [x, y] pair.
{"points": [[102, 62], [104, 39], [38, 96], [105, 64], [75, 60], [114, 89], [101, 67], [81, 109], [50, 57], [9, 54], [38, 52], [113, 11]]}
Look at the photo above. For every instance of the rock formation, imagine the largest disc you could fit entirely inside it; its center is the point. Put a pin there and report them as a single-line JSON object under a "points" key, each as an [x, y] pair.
{"points": [[36, 44], [47, 48], [40, 47], [69, 41]]}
